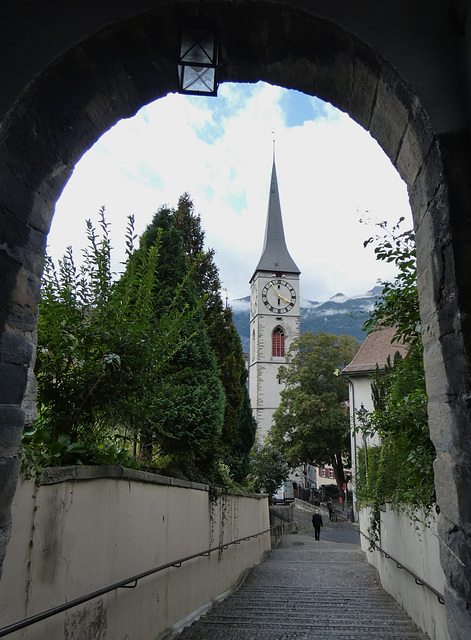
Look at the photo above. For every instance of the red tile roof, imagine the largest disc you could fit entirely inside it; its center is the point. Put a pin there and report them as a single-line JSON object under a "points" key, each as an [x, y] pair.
{"points": [[374, 352]]}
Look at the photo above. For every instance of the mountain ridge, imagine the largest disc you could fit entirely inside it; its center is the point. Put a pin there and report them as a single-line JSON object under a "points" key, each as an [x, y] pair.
{"points": [[339, 314]]}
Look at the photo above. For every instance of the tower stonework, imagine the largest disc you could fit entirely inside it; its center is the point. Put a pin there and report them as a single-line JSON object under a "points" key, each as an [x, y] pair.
{"points": [[274, 315]]}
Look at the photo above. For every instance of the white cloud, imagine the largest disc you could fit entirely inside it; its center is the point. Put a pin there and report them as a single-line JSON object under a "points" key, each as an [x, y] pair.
{"points": [[330, 173], [240, 305]]}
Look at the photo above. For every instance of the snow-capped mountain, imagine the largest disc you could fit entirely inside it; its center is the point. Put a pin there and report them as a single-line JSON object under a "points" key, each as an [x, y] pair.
{"points": [[340, 315]]}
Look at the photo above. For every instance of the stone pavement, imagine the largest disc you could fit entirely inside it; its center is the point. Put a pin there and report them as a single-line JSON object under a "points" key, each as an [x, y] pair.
{"points": [[309, 590]]}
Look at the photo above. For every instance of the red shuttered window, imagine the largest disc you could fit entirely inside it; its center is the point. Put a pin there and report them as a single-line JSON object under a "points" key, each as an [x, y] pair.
{"points": [[278, 342]]}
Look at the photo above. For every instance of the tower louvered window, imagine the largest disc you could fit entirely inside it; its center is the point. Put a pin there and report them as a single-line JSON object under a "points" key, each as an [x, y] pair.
{"points": [[278, 342]]}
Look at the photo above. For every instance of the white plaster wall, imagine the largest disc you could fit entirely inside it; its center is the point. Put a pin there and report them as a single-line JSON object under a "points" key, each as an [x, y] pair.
{"points": [[79, 535], [414, 545], [359, 393]]}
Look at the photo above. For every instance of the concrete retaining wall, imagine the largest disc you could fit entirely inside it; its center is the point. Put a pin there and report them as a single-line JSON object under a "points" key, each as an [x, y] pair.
{"points": [[83, 528], [414, 545]]}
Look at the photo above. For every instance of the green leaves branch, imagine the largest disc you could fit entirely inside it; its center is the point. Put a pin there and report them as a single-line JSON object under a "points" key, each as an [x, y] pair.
{"points": [[144, 367], [96, 338], [399, 303], [400, 470]]}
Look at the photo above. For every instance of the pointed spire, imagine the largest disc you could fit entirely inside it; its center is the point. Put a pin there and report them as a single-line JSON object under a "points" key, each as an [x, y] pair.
{"points": [[275, 254]]}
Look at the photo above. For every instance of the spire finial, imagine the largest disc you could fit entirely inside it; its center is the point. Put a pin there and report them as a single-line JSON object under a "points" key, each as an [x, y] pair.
{"points": [[273, 132]]}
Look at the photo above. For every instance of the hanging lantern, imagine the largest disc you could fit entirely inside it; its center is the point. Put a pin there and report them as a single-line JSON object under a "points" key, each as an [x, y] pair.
{"points": [[197, 65]]}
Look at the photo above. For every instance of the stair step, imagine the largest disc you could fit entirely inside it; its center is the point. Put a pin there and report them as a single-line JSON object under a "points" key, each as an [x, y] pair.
{"points": [[307, 591]]}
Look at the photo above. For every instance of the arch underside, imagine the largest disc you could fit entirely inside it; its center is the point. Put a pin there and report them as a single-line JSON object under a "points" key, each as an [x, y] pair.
{"points": [[125, 65]]}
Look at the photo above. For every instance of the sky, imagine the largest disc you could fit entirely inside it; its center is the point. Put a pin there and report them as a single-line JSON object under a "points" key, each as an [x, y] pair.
{"points": [[331, 173]]}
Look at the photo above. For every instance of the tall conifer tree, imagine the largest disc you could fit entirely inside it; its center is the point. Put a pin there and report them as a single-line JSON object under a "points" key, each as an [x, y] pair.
{"points": [[222, 332], [238, 457], [188, 404]]}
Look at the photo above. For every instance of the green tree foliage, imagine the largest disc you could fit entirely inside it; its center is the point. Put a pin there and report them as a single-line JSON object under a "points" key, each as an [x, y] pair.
{"points": [[399, 303], [238, 457], [311, 423], [268, 468], [223, 336], [400, 470], [187, 404], [95, 339], [204, 271], [148, 364]]}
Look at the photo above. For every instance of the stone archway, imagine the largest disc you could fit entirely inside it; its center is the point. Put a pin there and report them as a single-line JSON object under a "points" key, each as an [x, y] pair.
{"points": [[126, 64]]}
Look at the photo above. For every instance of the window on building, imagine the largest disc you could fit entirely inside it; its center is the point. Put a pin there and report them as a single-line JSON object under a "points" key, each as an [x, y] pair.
{"points": [[278, 342], [322, 472], [331, 473]]}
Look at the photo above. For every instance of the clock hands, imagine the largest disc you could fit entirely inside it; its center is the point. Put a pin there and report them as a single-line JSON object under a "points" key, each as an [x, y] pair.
{"points": [[279, 294], [280, 307]]}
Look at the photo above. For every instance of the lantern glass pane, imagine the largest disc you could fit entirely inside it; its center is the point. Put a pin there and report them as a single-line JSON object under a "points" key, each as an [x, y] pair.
{"points": [[197, 47], [198, 79]]}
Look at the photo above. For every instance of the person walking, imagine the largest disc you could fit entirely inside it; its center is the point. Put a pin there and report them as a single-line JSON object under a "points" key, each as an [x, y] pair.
{"points": [[317, 524], [330, 507]]}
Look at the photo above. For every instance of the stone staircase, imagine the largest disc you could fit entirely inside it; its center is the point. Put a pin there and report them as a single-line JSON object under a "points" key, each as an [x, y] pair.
{"points": [[308, 590]]}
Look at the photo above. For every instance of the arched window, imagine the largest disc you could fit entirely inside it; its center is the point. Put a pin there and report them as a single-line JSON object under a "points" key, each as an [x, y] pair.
{"points": [[278, 342]]}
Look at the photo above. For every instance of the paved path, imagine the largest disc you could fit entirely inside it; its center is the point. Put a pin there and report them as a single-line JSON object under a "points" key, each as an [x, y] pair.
{"points": [[309, 590]]}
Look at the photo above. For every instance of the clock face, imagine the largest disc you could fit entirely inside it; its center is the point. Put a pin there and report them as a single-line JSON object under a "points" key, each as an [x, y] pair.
{"points": [[278, 296]]}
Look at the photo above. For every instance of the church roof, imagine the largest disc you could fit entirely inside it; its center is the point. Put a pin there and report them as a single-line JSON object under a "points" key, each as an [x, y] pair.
{"points": [[375, 350], [275, 255]]}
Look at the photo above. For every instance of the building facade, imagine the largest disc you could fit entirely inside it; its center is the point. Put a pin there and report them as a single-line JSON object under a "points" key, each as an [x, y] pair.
{"points": [[274, 314], [373, 355]]}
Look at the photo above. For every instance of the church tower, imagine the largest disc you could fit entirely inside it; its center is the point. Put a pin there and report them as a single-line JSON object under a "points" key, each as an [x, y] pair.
{"points": [[274, 314]]}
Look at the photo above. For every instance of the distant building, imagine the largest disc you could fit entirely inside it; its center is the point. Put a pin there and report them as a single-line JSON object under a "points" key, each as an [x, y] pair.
{"points": [[373, 353]]}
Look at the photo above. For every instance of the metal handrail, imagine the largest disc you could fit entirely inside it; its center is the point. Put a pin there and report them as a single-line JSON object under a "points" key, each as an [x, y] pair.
{"points": [[128, 583], [418, 579]]}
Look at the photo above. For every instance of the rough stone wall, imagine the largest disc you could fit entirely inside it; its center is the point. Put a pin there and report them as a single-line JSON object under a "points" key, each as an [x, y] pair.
{"points": [[445, 311], [400, 69]]}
